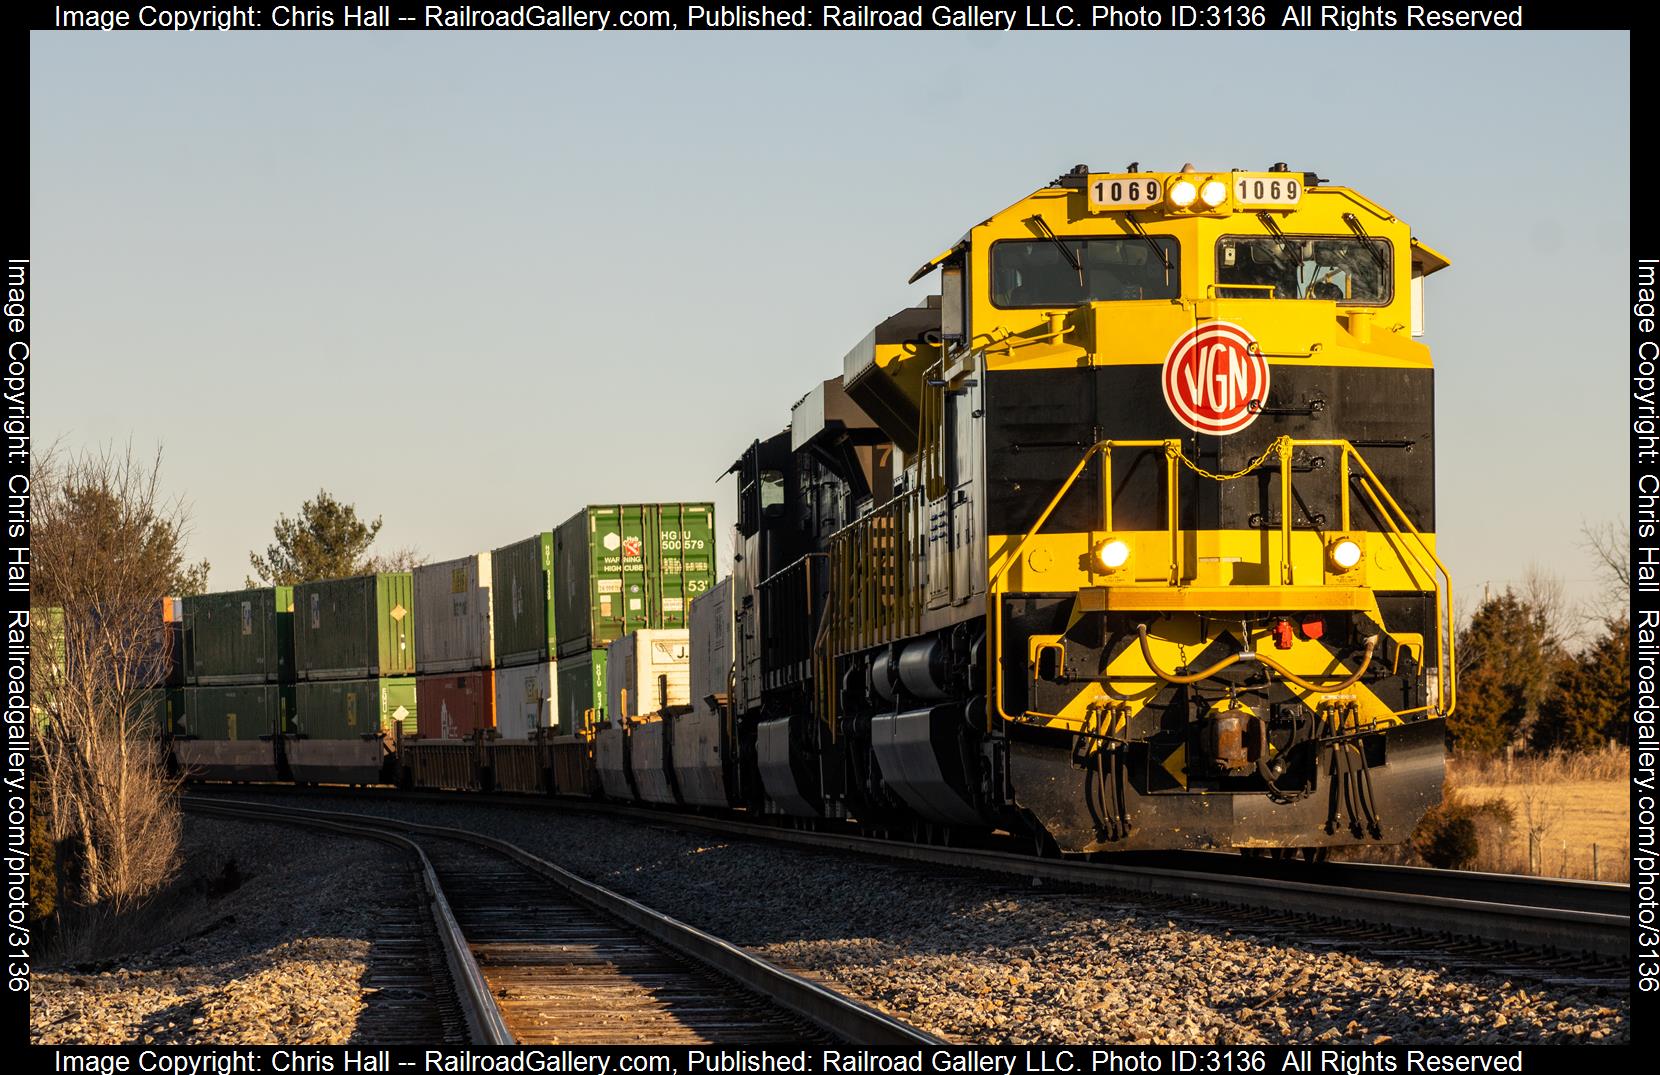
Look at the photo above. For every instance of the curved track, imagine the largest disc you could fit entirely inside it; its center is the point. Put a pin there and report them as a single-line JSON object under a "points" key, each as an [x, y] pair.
{"points": [[1581, 918], [1587, 917], [541, 955]]}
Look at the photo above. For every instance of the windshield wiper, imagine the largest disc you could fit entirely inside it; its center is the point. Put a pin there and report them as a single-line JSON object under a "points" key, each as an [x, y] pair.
{"points": [[1164, 256], [1366, 240], [1041, 226], [1291, 248]]}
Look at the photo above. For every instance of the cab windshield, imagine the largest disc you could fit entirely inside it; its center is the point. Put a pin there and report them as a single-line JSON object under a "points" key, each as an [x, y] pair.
{"points": [[1038, 272], [1342, 269]]}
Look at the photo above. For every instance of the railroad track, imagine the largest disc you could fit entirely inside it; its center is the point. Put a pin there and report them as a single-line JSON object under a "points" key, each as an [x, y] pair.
{"points": [[540, 955], [1582, 925], [1580, 928]]}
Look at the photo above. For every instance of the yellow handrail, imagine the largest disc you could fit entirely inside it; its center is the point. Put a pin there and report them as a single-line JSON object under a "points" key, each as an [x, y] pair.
{"points": [[1388, 510]]}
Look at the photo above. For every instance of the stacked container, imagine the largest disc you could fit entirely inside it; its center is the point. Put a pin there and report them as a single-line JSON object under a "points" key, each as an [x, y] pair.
{"points": [[238, 669], [522, 616], [166, 706], [454, 648], [354, 659], [623, 568]]}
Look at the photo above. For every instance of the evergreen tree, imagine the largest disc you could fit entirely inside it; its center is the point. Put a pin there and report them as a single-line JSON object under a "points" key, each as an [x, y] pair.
{"points": [[1591, 700], [1509, 658], [326, 540]]}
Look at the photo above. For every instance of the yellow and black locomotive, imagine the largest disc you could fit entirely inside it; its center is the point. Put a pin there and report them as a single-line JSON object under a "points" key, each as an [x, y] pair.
{"points": [[1125, 539]]}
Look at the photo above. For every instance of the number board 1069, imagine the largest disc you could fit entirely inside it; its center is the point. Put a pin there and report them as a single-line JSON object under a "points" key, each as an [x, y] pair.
{"points": [[1124, 192], [1261, 189]]}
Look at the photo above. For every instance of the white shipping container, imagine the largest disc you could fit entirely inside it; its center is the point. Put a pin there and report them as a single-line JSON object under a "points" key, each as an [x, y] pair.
{"points": [[710, 627], [525, 699], [452, 615], [643, 667]]}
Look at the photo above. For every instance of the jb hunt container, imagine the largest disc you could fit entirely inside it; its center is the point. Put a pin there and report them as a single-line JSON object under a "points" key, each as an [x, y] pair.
{"points": [[622, 567], [352, 708], [452, 615], [647, 672], [355, 628], [240, 637], [238, 713], [521, 577], [454, 705], [581, 688]]}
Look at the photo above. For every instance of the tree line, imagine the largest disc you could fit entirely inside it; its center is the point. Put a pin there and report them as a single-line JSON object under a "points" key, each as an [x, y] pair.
{"points": [[1522, 683], [107, 546]]}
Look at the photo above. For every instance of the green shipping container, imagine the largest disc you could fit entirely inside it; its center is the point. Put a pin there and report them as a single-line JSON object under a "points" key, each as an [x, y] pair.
{"points": [[163, 712], [355, 628], [241, 637], [244, 712], [351, 708], [626, 566], [581, 688], [521, 603]]}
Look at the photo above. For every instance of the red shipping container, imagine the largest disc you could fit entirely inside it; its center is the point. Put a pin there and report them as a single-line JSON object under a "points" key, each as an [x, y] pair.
{"points": [[454, 705]]}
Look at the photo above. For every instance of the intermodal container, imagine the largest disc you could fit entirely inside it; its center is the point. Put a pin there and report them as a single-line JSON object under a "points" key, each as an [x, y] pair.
{"points": [[351, 708], [526, 699], [156, 711], [646, 672], [710, 627], [243, 712], [245, 636], [621, 567], [172, 646], [522, 601], [581, 688], [452, 615], [454, 705], [355, 628], [164, 710]]}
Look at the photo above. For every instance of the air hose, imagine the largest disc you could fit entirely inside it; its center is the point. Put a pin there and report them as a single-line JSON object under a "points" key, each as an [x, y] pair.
{"points": [[1249, 655]]}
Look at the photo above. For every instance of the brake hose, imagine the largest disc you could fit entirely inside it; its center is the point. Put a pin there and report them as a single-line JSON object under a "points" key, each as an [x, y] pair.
{"points": [[1251, 655]]}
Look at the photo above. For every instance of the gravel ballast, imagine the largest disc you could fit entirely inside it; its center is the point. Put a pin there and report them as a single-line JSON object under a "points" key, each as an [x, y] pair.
{"points": [[277, 959], [980, 959]]}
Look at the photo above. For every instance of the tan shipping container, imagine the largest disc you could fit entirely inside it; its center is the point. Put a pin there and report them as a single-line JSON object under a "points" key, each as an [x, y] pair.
{"points": [[525, 699], [452, 615]]}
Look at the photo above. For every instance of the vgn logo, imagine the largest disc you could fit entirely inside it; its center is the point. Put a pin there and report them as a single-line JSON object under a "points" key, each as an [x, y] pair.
{"points": [[1215, 378]]}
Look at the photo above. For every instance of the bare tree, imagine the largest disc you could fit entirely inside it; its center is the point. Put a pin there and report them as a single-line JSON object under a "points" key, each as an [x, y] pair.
{"points": [[107, 546], [1610, 543], [403, 558], [1547, 595]]}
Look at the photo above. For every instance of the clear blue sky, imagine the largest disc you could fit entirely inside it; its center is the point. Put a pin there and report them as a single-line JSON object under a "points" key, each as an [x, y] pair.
{"points": [[474, 281]]}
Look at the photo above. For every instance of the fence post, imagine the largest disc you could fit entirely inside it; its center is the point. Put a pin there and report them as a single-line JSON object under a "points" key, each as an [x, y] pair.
{"points": [[1594, 876]]}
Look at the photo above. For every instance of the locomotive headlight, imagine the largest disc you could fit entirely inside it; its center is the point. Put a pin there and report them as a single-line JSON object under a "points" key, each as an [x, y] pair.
{"points": [[1213, 193], [1182, 193], [1111, 554], [1345, 553]]}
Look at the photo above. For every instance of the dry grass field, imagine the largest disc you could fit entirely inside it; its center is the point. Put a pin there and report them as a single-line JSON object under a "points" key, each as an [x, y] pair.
{"points": [[1571, 814]]}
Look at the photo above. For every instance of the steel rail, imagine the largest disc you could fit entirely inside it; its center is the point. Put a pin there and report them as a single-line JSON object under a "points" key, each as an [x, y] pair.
{"points": [[841, 1016], [1495, 907], [1550, 913], [485, 1024]]}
